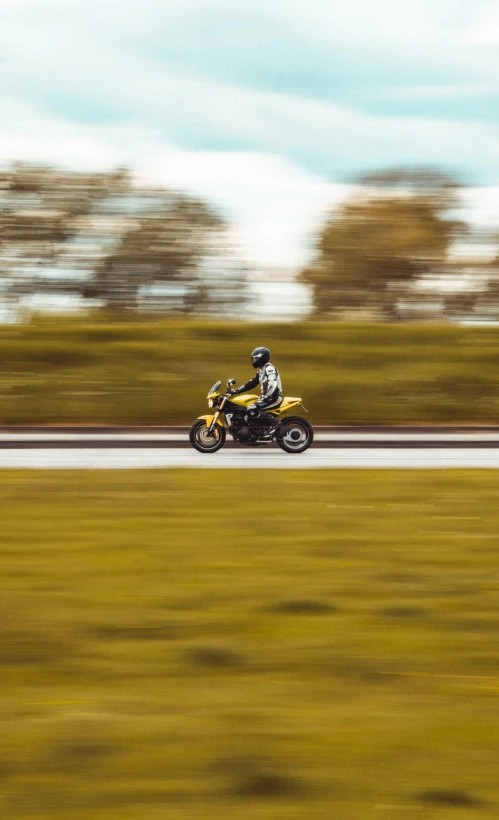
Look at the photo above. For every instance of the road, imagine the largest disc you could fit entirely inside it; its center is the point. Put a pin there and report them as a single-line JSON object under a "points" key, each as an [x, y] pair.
{"points": [[339, 447]]}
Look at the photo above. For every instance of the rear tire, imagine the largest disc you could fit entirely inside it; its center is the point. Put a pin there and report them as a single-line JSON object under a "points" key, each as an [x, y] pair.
{"points": [[202, 441], [295, 435]]}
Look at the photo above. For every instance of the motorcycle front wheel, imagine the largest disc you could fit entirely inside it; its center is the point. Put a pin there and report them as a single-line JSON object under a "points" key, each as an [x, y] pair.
{"points": [[201, 439], [295, 435]]}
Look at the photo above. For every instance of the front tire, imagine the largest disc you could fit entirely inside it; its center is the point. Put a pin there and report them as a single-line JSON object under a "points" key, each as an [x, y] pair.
{"points": [[202, 441], [295, 435]]}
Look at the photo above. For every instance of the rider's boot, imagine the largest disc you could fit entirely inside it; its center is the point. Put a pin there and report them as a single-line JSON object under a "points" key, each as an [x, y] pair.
{"points": [[270, 423]]}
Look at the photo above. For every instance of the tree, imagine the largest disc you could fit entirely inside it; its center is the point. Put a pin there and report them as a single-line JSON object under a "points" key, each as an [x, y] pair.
{"points": [[43, 212], [487, 301], [42, 209], [103, 237], [395, 230], [164, 246]]}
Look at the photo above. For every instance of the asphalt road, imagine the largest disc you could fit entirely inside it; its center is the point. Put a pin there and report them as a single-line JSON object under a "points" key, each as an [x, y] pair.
{"points": [[160, 447]]}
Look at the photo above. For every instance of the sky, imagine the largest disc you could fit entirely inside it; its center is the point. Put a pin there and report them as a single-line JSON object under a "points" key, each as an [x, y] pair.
{"points": [[268, 108]]}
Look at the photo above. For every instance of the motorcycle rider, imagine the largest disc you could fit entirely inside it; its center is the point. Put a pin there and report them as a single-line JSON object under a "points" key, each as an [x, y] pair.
{"points": [[270, 385]]}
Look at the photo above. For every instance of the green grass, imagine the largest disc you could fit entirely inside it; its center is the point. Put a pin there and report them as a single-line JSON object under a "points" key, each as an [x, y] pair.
{"points": [[130, 371], [189, 644]]}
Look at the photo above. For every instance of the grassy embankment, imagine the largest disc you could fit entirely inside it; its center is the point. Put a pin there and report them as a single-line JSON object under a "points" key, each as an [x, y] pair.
{"points": [[91, 370], [328, 652]]}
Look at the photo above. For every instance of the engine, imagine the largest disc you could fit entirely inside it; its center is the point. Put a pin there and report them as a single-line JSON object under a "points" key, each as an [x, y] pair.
{"points": [[247, 430]]}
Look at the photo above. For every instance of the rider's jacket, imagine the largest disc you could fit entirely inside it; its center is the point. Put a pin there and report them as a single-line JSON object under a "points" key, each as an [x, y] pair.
{"points": [[270, 384]]}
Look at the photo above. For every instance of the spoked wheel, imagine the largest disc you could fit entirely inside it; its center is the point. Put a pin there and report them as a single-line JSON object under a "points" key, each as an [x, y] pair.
{"points": [[295, 435], [203, 441]]}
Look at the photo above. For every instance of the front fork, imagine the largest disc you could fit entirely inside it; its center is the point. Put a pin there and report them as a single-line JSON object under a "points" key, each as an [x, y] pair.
{"points": [[217, 416]]}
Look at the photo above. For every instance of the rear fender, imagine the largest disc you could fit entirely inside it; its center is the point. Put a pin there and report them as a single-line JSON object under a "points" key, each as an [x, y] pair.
{"points": [[209, 420], [288, 404]]}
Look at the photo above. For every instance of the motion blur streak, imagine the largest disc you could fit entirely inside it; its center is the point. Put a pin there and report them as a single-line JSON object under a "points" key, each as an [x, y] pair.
{"points": [[172, 646], [398, 246], [249, 635], [102, 240]]}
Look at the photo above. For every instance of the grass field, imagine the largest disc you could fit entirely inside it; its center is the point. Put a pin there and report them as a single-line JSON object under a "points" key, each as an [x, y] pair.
{"points": [[249, 645], [130, 371]]}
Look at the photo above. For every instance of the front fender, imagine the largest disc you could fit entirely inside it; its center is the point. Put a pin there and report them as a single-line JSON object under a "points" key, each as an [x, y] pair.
{"points": [[209, 420]]}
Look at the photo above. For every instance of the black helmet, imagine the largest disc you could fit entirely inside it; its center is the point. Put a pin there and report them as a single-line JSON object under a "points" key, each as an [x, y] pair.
{"points": [[260, 356]]}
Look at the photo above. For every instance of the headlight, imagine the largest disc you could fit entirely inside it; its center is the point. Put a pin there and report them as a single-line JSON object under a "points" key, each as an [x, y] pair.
{"points": [[210, 403]]}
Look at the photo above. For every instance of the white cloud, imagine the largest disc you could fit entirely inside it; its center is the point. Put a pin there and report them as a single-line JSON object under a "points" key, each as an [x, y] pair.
{"points": [[114, 82], [482, 206], [485, 31], [276, 205], [179, 108], [457, 91]]}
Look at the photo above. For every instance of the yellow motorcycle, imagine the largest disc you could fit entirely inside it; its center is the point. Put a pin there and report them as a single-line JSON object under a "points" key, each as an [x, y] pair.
{"points": [[293, 434]]}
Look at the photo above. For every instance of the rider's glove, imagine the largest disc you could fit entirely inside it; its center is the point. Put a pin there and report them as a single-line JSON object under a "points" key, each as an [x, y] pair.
{"points": [[233, 392]]}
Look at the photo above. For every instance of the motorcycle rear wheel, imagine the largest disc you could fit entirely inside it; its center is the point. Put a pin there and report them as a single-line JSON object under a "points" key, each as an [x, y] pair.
{"points": [[202, 441], [295, 435]]}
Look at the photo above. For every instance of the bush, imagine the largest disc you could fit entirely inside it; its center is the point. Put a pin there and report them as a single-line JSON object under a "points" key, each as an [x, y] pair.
{"points": [[96, 369]]}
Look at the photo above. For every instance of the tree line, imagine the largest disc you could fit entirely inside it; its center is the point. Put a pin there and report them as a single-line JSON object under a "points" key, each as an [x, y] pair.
{"points": [[106, 240], [397, 248]]}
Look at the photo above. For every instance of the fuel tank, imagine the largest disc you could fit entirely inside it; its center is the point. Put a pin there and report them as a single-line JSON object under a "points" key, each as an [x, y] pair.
{"points": [[244, 399]]}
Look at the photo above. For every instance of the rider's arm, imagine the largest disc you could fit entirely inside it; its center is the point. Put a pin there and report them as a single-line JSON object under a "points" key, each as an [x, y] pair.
{"points": [[249, 385]]}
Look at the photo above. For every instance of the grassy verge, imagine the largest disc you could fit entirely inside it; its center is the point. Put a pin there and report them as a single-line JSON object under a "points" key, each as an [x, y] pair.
{"points": [[225, 644], [99, 370]]}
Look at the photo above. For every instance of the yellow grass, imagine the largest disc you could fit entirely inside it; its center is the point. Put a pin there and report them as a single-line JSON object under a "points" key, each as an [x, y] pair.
{"points": [[100, 369], [245, 645]]}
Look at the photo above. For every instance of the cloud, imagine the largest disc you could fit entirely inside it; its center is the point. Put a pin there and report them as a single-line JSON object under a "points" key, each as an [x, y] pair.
{"points": [[273, 205], [485, 31], [276, 206], [83, 83], [265, 107], [351, 54]]}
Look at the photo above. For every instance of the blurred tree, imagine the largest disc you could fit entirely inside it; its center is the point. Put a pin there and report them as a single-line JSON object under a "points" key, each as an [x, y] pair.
{"points": [[461, 304], [396, 229], [166, 245], [101, 237], [42, 209], [487, 305], [43, 212]]}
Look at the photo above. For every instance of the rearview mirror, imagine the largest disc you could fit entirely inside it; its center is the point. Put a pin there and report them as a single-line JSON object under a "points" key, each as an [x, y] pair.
{"points": [[231, 381]]}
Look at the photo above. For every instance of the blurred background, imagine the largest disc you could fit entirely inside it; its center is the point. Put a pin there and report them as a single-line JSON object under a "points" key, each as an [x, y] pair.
{"points": [[214, 173], [250, 160], [181, 181]]}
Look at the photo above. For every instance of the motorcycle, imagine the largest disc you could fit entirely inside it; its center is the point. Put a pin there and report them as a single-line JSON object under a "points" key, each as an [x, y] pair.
{"points": [[208, 434]]}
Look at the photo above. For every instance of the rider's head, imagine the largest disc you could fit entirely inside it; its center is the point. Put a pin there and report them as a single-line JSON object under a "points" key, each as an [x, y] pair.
{"points": [[260, 356]]}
